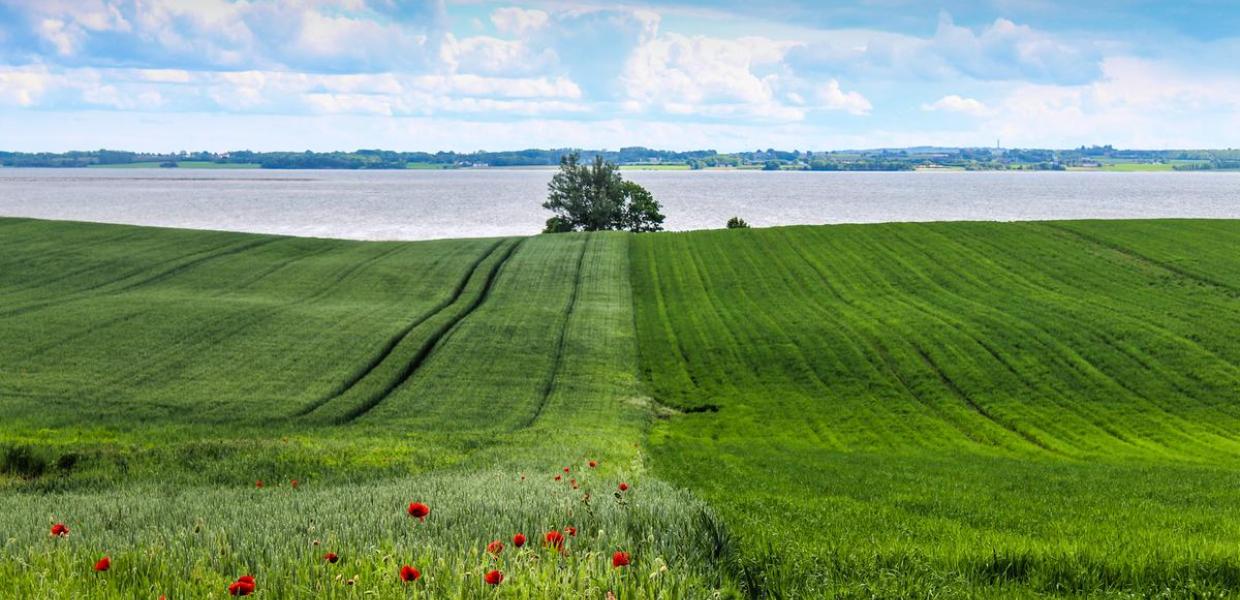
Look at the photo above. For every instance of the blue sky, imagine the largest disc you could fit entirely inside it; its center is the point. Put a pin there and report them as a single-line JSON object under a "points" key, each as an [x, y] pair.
{"points": [[432, 75]]}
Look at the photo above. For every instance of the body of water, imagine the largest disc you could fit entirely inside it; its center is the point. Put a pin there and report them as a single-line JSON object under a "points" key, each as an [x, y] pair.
{"points": [[412, 205]]}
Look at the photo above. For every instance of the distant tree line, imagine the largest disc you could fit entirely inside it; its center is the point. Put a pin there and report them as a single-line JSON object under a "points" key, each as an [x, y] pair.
{"points": [[769, 159]]}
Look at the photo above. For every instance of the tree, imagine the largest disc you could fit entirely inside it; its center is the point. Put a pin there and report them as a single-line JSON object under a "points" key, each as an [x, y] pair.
{"points": [[593, 197], [640, 210], [771, 165], [737, 223]]}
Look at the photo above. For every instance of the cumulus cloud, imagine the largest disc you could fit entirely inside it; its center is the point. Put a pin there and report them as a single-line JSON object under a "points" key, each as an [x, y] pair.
{"points": [[315, 35], [677, 72], [1136, 103], [288, 92], [490, 55], [618, 64], [831, 97], [1005, 50], [1000, 50], [593, 46], [957, 104], [518, 21], [22, 86]]}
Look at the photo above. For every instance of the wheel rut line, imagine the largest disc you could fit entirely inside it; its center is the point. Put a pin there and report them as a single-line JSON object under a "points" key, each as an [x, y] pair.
{"points": [[431, 344], [552, 381], [932, 310], [173, 272], [71, 274], [1133, 254], [404, 332], [162, 275], [279, 266], [1073, 359], [978, 408], [1082, 296], [868, 339]]}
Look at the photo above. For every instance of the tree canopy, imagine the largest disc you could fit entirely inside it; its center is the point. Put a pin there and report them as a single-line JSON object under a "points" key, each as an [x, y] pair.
{"points": [[594, 197]]}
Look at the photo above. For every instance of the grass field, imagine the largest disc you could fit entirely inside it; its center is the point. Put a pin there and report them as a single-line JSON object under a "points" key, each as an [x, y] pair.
{"points": [[920, 410]]}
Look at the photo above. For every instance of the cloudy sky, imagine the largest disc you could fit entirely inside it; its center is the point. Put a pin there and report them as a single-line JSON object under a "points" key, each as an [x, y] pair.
{"points": [[729, 75]]}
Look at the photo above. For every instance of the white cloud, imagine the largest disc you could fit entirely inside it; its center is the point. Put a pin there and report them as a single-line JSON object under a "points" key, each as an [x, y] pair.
{"points": [[490, 55], [1005, 50], [164, 75], [710, 77], [831, 97], [22, 86], [62, 36], [518, 21], [1000, 51], [1137, 103], [958, 104]]}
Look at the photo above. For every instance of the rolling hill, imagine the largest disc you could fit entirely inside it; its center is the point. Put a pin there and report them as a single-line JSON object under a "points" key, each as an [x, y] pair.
{"points": [[945, 409]]}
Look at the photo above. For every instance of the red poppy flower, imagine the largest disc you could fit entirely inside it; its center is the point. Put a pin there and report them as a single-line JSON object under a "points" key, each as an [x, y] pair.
{"points": [[246, 579], [241, 587], [293, 483], [419, 510], [495, 547], [408, 573], [554, 539], [104, 564], [593, 463], [624, 487], [573, 482], [559, 477], [59, 530], [259, 484], [518, 540], [494, 577], [620, 559], [331, 557], [565, 469], [570, 530]]}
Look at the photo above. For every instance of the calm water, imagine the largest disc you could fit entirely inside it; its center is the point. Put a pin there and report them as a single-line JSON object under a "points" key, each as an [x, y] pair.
{"points": [[410, 205]]}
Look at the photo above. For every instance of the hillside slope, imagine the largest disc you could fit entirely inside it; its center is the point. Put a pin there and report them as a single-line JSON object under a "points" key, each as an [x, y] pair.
{"points": [[912, 408], [947, 409]]}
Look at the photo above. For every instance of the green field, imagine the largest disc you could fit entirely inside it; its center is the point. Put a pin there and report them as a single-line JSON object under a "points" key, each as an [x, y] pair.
{"points": [[905, 410]]}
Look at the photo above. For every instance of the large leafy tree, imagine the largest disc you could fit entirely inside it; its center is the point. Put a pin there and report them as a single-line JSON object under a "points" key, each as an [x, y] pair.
{"points": [[593, 197]]}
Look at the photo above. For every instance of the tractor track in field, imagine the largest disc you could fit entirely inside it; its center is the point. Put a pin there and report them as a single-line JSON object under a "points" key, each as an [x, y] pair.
{"points": [[236, 325], [427, 347], [395, 340], [550, 385], [1141, 258], [432, 343], [71, 274], [978, 408], [85, 293]]}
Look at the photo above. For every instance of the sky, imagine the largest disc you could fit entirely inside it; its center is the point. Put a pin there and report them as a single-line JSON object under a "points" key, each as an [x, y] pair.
{"points": [[167, 75]]}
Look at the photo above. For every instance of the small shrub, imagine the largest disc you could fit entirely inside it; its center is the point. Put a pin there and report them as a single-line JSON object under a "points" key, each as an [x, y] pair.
{"points": [[23, 461], [737, 223], [67, 461]]}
